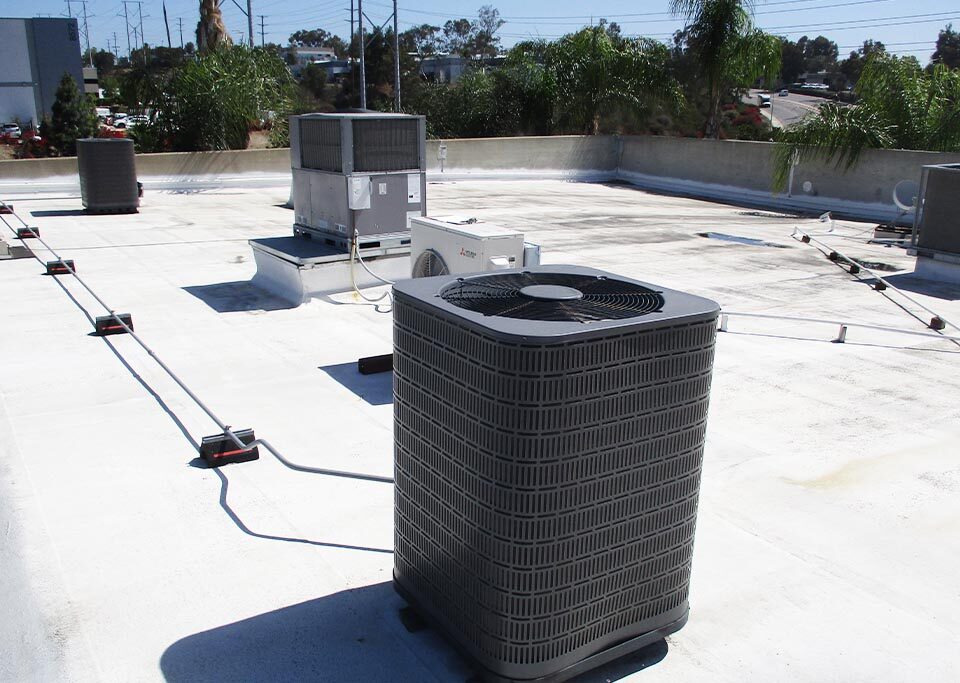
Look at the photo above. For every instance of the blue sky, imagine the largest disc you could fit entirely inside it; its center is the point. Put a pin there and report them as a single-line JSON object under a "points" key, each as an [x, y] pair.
{"points": [[905, 26]]}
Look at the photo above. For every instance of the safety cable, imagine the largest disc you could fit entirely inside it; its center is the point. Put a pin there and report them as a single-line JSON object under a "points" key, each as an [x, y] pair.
{"points": [[807, 238], [724, 314], [227, 430]]}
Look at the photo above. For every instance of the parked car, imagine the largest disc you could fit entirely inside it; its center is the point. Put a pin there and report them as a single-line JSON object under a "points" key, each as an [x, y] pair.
{"points": [[119, 118], [784, 92], [136, 120], [11, 131]]}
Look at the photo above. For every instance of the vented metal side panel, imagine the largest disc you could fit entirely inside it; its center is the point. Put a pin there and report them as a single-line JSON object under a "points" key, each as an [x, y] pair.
{"points": [[546, 494], [108, 175], [320, 144], [940, 224], [386, 144]]}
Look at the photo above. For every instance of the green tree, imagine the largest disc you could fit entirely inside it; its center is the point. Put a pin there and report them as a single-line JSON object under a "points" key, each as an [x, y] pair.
{"points": [[210, 103], [900, 106], [948, 48], [791, 60], [477, 38], [820, 54], [319, 37], [313, 78], [73, 117], [525, 93], [596, 73], [852, 67], [103, 60], [731, 52]]}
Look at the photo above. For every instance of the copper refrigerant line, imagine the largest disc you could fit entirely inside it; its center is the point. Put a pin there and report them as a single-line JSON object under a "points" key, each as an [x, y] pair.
{"points": [[29, 232]]}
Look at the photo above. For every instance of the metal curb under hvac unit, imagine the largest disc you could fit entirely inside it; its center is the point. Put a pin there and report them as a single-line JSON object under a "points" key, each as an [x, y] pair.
{"points": [[549, 431]]}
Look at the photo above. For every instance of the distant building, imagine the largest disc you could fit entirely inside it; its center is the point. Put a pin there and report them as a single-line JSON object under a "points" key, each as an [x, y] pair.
{"points": [[449, 68], [443, 68], [299, 57], [34, 55], [91, 81]]}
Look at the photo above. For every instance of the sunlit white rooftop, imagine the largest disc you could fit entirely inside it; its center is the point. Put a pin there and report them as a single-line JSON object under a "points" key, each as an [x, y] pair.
{"points": [[829, 527]]}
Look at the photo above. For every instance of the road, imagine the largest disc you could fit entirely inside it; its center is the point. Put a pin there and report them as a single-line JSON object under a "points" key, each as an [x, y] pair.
{"points": [[790, 109]]}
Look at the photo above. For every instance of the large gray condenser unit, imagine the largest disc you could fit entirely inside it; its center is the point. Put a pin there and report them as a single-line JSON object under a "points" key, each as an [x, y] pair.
{"points": [[549, 431], [358, 172], [939, 211], [108, 175]]}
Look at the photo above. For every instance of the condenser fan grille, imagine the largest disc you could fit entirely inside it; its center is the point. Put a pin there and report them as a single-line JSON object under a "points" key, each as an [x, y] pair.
{"points": [[557, 297]]}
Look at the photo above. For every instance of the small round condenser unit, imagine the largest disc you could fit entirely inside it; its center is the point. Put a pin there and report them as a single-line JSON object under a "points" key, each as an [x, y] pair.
{"points": [[108, 175], [549, 431]]}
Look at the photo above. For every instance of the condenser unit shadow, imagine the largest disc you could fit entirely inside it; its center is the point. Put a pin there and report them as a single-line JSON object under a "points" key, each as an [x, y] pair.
{"points": [[233, 297], [353, 635], [58, 213], [377, 390], [909, 282]]}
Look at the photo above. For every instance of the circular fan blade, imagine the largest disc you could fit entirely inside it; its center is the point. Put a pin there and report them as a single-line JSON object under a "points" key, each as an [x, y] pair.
{"points": [[557, 297]]}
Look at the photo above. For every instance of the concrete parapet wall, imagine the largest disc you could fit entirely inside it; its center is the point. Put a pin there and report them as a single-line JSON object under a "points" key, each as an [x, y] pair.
{"points": [[749, 166], [563, 155], [724, 170], [163, 171]]}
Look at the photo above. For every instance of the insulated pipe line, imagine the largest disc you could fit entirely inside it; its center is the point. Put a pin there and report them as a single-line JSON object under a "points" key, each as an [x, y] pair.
{"points": [[807, 238], [227, 430], [842, 324]]}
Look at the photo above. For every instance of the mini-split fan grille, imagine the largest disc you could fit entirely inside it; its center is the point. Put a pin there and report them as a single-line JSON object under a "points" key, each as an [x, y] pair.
{"points": [[559, 297], [547, 483], [429, 264]]}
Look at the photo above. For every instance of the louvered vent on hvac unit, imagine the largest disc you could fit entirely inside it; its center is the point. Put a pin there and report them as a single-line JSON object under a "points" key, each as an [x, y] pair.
{"points": [[108, 175], [549, 431]]}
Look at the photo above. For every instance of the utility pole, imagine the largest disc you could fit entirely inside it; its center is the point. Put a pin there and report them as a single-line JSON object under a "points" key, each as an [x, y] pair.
{"points": [[83, 28], [126, 20], [363, 66], [353, 70], [116, 47], [263, 40], [166, 25], [180, 22], [396, 61], [86, 31], [250, 21], [143, 44]]}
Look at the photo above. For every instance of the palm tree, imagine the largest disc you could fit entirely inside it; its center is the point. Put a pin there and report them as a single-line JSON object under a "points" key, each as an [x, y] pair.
{"points": [[596, 72], [900, 106], [731, 51], [211, 31]]}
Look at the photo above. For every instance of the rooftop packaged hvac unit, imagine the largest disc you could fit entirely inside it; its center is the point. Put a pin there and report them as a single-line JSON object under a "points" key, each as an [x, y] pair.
{"points": [[358, 172], [108, 175], [549, 430], [445, 246]]}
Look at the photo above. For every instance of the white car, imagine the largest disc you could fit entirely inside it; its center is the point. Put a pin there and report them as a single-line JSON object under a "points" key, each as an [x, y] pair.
{"points": [[136, 120], [11, 130]]}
